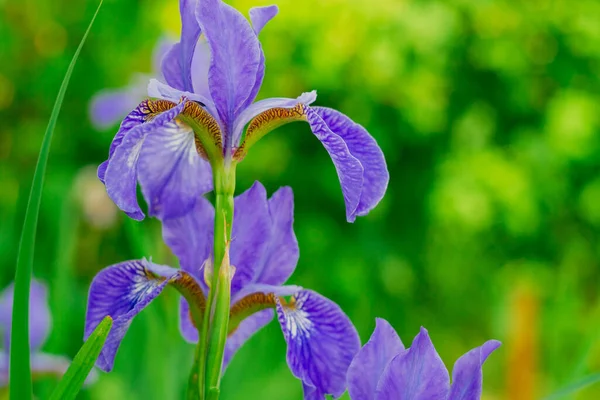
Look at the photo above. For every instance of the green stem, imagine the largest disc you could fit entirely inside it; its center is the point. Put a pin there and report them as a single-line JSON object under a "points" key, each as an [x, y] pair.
{"points": [[194, 382], [214, 335]]}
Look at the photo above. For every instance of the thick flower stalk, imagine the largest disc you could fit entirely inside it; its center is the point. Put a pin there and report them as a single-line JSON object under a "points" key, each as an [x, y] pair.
{"points": [[385, 370], [321, 340], [42, 364]]}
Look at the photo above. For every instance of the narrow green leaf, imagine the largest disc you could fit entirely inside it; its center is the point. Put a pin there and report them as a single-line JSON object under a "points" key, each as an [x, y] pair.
{"points": [[574, 387], [83, 363], [20, 368]]}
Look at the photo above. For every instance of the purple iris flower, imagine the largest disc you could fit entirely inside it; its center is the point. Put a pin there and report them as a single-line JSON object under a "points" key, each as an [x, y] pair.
{"points": [[321, 340], [110, 106], [384, 370], [213, 75], [42, 364]]}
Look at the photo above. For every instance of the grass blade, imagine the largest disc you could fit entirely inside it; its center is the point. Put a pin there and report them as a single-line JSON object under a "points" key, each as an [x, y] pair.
{"points": [[574, 387], [20, 368], [83, 363]]}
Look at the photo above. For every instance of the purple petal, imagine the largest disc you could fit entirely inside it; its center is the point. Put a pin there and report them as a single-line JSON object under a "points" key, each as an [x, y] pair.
{"points": [[415, 374], [370, 362], [251, 233], [321, 341], [171, 172], [245, 330], [349, 169], [39, 314], [364, 148], [134, 118], [235, 58], [161, 48], [186, 325], [200, 67], [190, 237], [121, 172], [109, 106], [281, 256], [467, 377], [176, 65], [122, 291], [259, 16], [266, 104], [312, 393]]}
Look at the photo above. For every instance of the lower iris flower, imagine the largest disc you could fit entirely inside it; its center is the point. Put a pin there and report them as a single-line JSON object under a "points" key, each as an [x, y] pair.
{"points": [[384, 370], [321, 340], [42, 364]]}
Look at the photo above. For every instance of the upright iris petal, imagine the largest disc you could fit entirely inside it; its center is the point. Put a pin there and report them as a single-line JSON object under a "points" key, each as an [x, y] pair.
{"points": [[176, 65], [369, 364], [384, 370]]}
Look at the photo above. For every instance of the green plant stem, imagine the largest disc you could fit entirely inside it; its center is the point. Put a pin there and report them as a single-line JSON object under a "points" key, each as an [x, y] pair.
{"points": [[213, 335], [20, 369]]}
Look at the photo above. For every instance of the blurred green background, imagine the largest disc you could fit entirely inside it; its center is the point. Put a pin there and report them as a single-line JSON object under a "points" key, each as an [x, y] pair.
{"points": [[488, 113]]}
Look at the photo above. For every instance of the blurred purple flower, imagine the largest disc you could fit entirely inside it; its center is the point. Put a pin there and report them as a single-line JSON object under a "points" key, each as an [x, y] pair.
{"points": [[42, 364], [213, 80], [110, 106], [321, 340], [384, 370]]}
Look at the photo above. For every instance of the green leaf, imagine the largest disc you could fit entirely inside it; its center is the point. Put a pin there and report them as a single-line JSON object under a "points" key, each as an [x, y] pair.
{"points": [[574, 387], [20, 368], [83, 363]]}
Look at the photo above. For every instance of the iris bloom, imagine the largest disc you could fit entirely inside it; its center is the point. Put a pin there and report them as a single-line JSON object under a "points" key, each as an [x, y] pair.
{"points": [[110, 106], [321, 340], [42, 364], [198, 115], [384, 370]]}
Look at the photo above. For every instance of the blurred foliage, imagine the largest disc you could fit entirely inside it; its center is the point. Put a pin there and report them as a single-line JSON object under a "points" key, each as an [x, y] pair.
{"points": [[487, 112]]}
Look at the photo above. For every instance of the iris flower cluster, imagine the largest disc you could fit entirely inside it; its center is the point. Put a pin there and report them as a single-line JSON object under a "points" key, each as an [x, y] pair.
{"points": [[236, 255]]}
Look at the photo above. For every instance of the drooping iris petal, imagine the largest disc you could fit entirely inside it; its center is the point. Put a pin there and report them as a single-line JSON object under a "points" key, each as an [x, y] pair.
{"points": [[266, 104], [250, 235], [171, 172], [122, 291], [364, 148], [134, 118], [176, 64], [281, 256], [186, 325], [121, 173], [245, 330], [321, 341], [277, 290], [190, 237], [235, 58], [414, 374], [349, 169], [312, 393], [467, 377], [39, 314], [370, 362]]}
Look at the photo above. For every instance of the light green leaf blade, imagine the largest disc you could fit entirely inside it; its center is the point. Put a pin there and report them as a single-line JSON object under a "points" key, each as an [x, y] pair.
{"points": [[20, 368], [574, 387], [83, 363]]}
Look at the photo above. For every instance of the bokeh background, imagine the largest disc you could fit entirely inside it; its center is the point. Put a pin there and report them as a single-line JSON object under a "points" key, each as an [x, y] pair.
{"points": [[488, 113]]}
